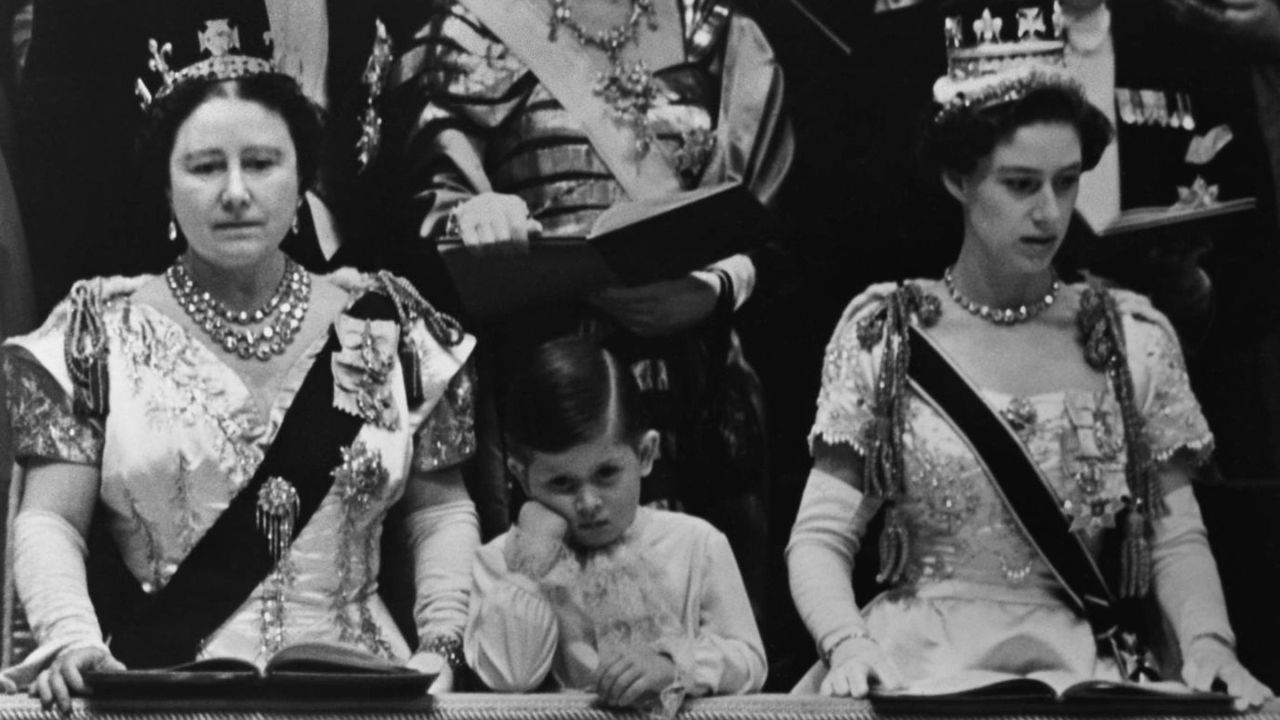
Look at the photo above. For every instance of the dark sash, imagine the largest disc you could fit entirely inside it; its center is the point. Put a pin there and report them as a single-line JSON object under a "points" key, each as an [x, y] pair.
{"points": [[1026, 492], [232, 558]]}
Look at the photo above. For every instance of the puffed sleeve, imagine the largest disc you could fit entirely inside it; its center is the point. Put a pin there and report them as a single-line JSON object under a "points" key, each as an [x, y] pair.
{"points": [[1173, 420], [845, 401], [726, 655], [40, 395], [449, 435], [44, 425], [511, 628]]}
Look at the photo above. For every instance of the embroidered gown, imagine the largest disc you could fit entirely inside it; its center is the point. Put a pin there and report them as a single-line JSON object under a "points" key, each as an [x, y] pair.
{"points": [[975, 593], [182, 436]]}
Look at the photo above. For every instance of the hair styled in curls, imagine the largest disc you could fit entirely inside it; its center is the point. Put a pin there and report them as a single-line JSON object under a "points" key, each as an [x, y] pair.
{"points": [[567, 392], [958, 141], [276, 92]]}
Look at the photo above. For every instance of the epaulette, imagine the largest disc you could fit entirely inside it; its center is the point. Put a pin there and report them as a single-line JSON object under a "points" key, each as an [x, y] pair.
{"points": [[1101, 334], [86, 348], [410, 308]]}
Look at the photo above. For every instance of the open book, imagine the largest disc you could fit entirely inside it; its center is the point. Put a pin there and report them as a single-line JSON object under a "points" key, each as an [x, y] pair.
{"points": [[985, 688], [311, 669], [1147, 218], [631, 243]]}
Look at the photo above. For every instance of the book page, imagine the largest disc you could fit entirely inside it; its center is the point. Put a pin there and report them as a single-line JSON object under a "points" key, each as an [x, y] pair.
{"points": [[318, 657], [978, 683], [622, 214], [1149, 217], [1104, 689]]}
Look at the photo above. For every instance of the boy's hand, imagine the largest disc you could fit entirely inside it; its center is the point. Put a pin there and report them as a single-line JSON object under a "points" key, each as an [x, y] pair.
{"points": [[539, 521], [634, 675]]}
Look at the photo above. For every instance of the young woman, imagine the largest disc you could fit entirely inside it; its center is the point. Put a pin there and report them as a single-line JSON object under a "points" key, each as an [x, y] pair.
{"points": [[239, 426], [1089, 391]]}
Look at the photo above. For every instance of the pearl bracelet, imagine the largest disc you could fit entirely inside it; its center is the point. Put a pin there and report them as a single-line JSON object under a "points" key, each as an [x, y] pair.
{"points": [[857, 634]]}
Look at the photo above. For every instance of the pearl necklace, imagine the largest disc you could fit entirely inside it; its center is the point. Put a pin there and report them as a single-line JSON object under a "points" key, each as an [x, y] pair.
{"points": [[1002, 316], [285, 311]]}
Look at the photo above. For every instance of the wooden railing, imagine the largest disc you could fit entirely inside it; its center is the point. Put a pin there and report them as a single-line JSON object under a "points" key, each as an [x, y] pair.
{"points": [[563, 706]]}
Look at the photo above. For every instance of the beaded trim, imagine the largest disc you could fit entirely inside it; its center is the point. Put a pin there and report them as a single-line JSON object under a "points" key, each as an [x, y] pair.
{"points": [[956, 96], [1002, 316], [224, 67]]}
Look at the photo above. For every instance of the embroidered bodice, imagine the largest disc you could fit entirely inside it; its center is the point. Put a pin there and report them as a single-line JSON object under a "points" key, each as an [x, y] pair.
{"points": [[183, 435], [959, 527]]}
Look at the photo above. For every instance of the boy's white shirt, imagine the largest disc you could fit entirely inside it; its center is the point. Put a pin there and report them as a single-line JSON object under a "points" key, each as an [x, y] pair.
{"points": [[518, 633]]}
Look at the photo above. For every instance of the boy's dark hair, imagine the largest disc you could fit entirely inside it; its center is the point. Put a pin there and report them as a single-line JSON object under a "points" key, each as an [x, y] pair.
{"points": [[568, 391], [958, 141], [275, 92]]}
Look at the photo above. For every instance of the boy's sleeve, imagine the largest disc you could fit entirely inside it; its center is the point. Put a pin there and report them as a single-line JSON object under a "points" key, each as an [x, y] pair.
{"points": [[726, 657], [511, 629]]}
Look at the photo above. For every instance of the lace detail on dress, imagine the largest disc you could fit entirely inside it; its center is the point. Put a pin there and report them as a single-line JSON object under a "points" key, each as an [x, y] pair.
{"points": [[449, 435], [359, 484], [845, 409], [618, 590], [156, 577], [164, 365], [43, 424], [1174, 420], [272, 608]]}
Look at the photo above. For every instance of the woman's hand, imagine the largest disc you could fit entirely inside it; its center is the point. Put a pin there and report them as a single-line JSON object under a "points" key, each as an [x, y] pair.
{"points": [[855, 664], [634, 675], [433, 663], [661, 308], [62, 679], [541, 522], [493, 222], [1209, 659]]}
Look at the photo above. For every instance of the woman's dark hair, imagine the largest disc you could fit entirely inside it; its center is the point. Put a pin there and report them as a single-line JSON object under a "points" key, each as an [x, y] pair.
{"points": [[275, 92], [960, 139], [566, 392]]}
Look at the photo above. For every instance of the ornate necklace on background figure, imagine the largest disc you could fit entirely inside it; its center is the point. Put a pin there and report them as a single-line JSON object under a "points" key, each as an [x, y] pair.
{"points": [[1002, 316], [629, 89], [282, 313]]}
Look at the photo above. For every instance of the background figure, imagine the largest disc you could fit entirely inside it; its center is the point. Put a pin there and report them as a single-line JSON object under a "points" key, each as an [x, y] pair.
{"points": [[86, 208], [488, 141]]}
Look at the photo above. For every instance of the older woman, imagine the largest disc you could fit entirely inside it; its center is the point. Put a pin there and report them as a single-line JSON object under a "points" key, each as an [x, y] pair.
{"points": [[241, 427], [1005, 423]]}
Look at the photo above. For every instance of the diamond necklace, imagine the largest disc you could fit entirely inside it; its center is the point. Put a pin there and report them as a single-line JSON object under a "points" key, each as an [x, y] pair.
{"points": [[285, 311], [1002, 316], [629, 90]]}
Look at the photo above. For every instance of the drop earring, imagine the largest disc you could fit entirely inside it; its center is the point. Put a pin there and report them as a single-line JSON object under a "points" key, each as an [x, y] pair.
{"points": [[294, 226], [173, 230]]}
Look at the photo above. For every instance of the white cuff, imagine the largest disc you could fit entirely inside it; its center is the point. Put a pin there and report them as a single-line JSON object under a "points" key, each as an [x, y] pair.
{"points": [[444, 539], [742, 274]]}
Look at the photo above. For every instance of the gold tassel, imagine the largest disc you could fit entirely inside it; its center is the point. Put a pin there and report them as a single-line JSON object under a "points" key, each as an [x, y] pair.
{"points": [[86, 351], [893, 548], [411, 366], [1135, 556]]}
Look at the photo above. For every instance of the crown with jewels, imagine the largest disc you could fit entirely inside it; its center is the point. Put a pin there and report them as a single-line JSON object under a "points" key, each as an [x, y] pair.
{"points": [[217, 54], [999, 56]]}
